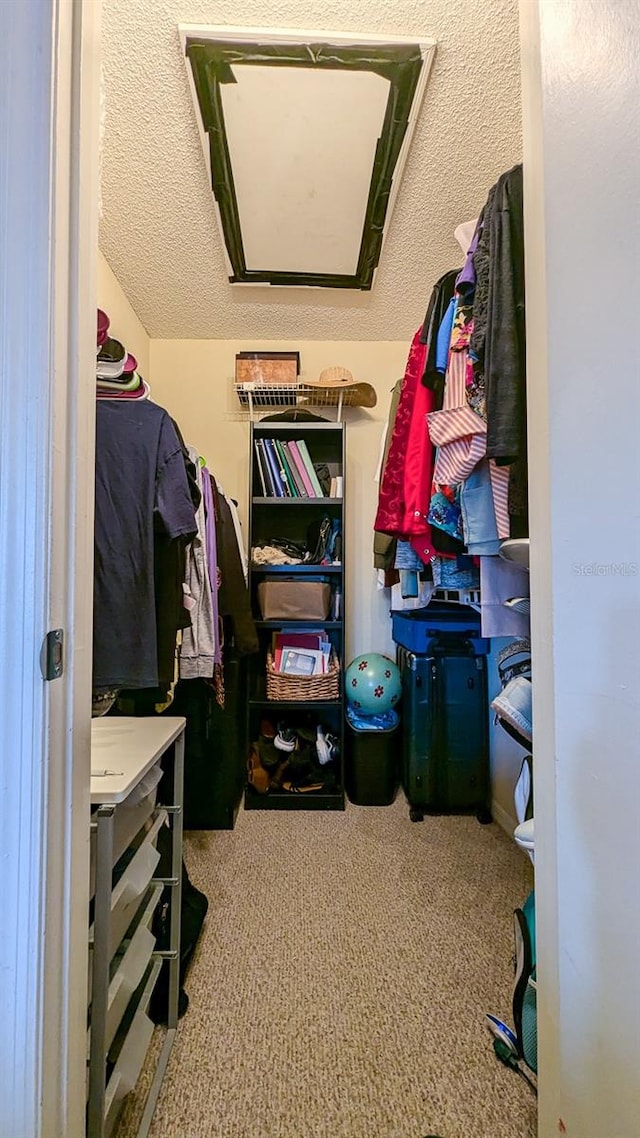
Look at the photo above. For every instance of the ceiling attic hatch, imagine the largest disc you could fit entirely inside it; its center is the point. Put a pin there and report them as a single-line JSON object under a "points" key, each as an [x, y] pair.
{"points": [[304, 136]]}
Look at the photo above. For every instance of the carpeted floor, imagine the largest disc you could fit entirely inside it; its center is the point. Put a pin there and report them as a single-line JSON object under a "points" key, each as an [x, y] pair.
{"points": [[339, 987]]}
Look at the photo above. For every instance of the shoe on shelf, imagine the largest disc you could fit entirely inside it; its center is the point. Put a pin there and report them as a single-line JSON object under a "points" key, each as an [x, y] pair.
{"points": [[268, 754], [257, 776], [323, 746], [285, 739], [516, 550], [306, 734], [334, 747], [301, 767], [267, 730]]}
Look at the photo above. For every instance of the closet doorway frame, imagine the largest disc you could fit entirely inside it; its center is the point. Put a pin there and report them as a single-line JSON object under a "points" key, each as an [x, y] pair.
{"points": [[49, 115], [54, 121]]}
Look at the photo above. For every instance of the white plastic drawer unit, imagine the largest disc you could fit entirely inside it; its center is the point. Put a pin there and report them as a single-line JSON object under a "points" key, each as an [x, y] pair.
{"points": [[127, 758], [131, 1051]]}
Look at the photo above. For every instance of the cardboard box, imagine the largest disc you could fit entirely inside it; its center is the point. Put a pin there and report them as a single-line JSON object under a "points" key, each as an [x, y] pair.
{"points": [[268, 368]]}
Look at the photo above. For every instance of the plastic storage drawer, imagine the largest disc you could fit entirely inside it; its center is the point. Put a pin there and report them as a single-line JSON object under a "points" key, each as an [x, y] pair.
{"points": [[131, 1052], [128, 892], [130, 816], [131, 966]]}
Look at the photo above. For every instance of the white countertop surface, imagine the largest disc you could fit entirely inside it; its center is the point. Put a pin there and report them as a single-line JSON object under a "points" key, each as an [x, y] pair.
{"points": [[125, 748]]}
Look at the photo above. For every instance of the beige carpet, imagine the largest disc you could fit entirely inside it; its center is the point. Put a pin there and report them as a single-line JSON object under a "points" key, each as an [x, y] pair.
{"points": [[340, 984]]}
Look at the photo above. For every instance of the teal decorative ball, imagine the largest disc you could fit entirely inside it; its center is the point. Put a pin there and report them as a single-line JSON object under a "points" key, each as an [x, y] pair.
{"points": [[372, 684]]}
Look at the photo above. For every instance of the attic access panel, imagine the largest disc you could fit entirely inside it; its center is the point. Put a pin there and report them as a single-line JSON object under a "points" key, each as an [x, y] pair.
{"points": [[305, 136]]}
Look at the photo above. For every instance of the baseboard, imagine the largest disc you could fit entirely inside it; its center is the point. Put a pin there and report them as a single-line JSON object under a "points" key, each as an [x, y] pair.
{"points": [[503, 818]]}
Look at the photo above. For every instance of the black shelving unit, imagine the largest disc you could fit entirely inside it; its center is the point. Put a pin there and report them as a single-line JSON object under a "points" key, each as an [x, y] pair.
{"points": [[290, 518]]}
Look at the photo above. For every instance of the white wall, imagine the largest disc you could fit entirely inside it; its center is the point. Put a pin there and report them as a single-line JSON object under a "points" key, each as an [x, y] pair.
{"points": [[125, 323], [582, 186], [193, 379]]}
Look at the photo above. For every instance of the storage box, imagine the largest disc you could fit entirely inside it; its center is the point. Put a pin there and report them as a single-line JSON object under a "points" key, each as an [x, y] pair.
{"points": [[294, 599], [415, 630], [371, 766], [268, 368]]}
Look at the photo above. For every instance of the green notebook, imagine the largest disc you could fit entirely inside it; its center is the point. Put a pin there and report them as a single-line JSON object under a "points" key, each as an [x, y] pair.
{"points": [[306, 458], [287, 470]]}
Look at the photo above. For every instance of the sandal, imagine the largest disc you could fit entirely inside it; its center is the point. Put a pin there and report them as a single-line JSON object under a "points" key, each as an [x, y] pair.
{"points": [[257, 776], [309, 787], [278, 775]]}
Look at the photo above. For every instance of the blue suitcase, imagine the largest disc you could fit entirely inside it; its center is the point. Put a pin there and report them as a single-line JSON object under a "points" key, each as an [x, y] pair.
{"points": [[445, 712]]}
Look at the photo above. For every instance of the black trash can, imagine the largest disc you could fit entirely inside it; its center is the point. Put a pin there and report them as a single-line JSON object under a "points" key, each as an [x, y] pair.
{"points": [[371, 765]]}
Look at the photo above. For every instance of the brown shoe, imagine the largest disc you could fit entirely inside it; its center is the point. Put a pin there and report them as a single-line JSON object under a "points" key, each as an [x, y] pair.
{"points": [[257, 776]]}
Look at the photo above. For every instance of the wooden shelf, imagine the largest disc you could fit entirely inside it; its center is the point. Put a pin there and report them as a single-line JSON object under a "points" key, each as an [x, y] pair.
{"points": [[286, 800], [317, 570], [297, 501], [305, 704], [301, 625]]}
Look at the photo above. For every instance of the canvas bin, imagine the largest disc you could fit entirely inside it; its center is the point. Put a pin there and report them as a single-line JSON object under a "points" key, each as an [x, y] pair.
{"points": [[294, 600]]}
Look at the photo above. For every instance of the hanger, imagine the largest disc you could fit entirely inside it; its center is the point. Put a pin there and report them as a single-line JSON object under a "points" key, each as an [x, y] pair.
{"points": [[463, 234]]}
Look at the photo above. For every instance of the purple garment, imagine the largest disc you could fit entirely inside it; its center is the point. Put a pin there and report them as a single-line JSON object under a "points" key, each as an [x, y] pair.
{"points": [[466, 279], [212, 559]]}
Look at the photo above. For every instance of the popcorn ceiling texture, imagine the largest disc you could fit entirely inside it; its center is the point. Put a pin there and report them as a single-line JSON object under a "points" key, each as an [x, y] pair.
{"points": [[158, 228]]}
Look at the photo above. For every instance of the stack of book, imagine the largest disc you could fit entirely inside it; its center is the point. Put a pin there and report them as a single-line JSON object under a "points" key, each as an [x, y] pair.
{"points": [[301, 653], [285, 470]]}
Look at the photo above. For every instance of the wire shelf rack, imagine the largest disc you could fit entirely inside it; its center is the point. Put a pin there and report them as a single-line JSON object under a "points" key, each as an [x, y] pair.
{"points": [[258, 399]]}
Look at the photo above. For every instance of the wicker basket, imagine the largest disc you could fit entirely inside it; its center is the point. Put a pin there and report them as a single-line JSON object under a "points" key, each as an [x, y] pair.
{"points": [[283, 687]]}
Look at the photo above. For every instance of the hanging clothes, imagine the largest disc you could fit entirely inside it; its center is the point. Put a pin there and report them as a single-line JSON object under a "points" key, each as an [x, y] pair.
{"points": [[498, 343], [211, 521], [439, 301], [198, 649], [504, 364], [384, 546], [500, 581], [237, 525], [405, 490], [141, 486], [233, 599]]}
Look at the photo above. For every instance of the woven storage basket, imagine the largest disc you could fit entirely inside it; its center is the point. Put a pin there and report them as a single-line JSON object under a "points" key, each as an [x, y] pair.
{"points": [[281, 686]]}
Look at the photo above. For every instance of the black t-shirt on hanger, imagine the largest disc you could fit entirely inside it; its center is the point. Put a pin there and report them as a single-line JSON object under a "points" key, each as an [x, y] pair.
{"points": [[141, 484]]}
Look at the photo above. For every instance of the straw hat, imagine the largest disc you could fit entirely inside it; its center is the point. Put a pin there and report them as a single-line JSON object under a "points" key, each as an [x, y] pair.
{"points": [[361, 394]]}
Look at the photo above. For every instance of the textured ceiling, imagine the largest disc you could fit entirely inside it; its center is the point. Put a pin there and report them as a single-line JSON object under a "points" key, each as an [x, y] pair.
{"points": [[158, 228]]}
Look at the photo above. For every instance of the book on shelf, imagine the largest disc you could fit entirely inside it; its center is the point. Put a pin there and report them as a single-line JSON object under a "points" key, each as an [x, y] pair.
{"points": [[302, 470], [303, 450], [301, 663], [276, 470], [280, 447], [266, 468], [285, 470], [262, 469], [286, 646], [295, 473]]}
